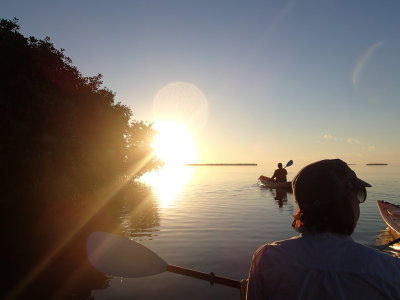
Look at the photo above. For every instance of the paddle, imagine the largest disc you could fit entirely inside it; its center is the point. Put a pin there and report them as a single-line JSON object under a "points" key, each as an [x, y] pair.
{"points": [[121, 257], [289, 163], [383, 247]]}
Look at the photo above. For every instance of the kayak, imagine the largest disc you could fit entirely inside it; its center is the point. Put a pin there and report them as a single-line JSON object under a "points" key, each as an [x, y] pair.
{"points": [[391, 215], [274, 185]]}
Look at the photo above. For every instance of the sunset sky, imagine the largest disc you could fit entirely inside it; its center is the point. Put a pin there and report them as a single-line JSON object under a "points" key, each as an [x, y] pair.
{"points": [[255, 81]]}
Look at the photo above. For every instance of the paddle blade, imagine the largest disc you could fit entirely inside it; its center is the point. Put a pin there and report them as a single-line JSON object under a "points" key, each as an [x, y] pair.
{"points": [[290, 162], [118, 256]]}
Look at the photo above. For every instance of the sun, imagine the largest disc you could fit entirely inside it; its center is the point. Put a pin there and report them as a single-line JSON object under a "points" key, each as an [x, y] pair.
{"points": [[173, 144]]}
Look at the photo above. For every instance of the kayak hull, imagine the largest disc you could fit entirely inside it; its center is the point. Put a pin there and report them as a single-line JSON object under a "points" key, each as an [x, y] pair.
{"points": [[391, 215], [275, 185]]}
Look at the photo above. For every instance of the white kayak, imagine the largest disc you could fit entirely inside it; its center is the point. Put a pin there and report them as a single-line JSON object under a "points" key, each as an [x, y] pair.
{"points": [[391, 215]]}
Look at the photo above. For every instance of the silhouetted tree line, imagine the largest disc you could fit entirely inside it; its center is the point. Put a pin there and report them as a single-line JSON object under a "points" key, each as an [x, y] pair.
{"points": [[63, 138]]}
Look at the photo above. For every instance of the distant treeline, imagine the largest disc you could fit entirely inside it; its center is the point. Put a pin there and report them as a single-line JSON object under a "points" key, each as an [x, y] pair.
{"points": [[66, 148]]}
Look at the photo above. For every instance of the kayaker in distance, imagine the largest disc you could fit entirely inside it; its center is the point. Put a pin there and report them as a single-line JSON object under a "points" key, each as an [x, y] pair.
{"points": [[323, 262], [279, 174]]}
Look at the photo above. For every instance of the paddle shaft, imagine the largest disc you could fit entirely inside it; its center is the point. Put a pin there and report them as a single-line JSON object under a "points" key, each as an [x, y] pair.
{"points": [[211, 277], [383, 247]]}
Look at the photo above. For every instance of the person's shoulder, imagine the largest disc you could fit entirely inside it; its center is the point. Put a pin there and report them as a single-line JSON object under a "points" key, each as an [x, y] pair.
{"points": [[278, 252], [377, 260], [287, 243], [377, 253], [294, 239]]}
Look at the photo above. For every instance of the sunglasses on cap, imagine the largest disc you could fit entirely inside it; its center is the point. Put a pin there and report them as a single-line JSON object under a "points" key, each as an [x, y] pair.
{"points": [[361, 194]]}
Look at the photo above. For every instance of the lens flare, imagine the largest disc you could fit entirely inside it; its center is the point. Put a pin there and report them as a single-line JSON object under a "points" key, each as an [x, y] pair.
{"points": [[376, 75], [363, 60], [183, 103]]}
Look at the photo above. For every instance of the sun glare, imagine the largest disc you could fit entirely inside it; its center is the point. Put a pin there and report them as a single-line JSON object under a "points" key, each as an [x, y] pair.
{"points": [[173, 144], [168, 182]]}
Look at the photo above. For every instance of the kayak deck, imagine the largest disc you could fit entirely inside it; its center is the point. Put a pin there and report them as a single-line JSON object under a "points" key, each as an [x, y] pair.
{"points": [[391, 215]]}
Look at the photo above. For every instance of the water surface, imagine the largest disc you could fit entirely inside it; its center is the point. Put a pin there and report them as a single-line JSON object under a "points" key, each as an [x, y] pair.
{"points": [[212, 219]]}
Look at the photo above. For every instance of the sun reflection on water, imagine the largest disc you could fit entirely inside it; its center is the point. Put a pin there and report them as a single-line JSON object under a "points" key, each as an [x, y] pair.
{"points": [[168, 182]]}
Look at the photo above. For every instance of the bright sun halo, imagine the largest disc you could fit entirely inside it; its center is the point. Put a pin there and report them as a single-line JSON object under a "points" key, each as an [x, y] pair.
{"points": [[173, 144]]}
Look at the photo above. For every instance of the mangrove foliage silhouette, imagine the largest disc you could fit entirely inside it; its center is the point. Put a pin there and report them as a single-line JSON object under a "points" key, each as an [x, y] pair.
{"points": [[67, 150]]}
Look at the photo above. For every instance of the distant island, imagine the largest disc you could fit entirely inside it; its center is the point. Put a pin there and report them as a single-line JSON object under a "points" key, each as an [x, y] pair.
{"points": [[240, 164], [377, 164]]}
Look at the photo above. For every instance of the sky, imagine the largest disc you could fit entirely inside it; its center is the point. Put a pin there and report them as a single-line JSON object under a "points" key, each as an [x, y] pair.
{"points": [[257, 81]]}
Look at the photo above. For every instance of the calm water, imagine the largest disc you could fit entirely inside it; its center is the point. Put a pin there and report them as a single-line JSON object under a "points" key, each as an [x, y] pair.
{"points": [[212, 219]]}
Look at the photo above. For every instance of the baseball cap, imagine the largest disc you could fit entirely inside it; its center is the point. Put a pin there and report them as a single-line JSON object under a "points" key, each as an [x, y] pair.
{"points": [[323, 182]]}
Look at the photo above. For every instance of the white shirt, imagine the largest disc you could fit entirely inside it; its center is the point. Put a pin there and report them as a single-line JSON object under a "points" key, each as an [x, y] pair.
{"points": [[322, 266]]}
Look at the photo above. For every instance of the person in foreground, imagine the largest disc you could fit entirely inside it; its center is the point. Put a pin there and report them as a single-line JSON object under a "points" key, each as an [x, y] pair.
{"points": [[324, 262], [279, 174]]}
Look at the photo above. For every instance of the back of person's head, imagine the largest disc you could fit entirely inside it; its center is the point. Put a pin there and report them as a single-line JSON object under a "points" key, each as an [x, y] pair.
{"points": [[280, 165], [322, 191]]}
